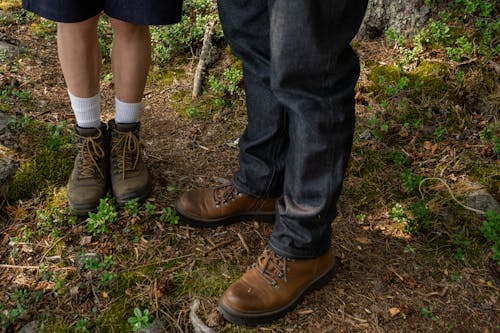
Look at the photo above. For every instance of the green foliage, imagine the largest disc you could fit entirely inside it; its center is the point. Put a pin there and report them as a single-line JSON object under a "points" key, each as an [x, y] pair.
{"points": [[490, 134], [461, 50], [228, 83], [132, 207], [491, 231], [81, 326], [9, 314], [149, 209], [19, 95], [410, 180], [105, 38], [140, 320], [187, 35], [419, 222], [106, 214], [20, 123], [427, 313], [415, 218], [169, 216]]}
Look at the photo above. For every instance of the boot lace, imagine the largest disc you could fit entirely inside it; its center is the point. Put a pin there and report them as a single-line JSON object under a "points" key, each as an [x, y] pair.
{"points": [[272, 267], [224, 194], [126, 151], [91, 151]]}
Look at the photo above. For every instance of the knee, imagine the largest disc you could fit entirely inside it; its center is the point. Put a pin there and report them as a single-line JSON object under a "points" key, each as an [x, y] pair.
{"points": [[127, 30], [84, 28]]}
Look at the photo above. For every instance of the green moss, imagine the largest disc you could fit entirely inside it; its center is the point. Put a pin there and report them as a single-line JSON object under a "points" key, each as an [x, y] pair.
{"points": [[48, 162], [7, 5], [205, 280], [164, 78], [429, 80], [383, 75]]}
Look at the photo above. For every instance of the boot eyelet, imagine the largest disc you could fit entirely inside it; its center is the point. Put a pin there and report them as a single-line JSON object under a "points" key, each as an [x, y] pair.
{"points": [[217, 206]]}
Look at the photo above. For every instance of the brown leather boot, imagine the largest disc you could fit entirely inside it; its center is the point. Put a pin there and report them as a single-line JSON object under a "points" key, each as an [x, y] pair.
{"points": [[273, 286], [129, 177], [88, 182], [221, 206]]}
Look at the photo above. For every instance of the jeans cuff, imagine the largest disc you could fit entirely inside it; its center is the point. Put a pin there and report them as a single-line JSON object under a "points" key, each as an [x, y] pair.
{"points": [[298, 254]]}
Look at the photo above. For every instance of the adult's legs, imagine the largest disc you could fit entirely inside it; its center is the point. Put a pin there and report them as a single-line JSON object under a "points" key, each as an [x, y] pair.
{"points": [[313, 74], [263, 144]]}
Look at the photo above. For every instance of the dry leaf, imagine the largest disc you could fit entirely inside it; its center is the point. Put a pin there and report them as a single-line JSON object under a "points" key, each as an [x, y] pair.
{"points": [[363, 240], [394, 311]]}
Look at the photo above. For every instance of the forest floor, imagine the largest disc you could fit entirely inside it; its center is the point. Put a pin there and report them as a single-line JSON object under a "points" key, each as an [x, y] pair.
{"points": [[412, 261]]}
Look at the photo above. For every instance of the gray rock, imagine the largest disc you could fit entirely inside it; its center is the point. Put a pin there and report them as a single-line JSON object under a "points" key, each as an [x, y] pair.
{"points": [[155, 327], [483, 201], [8, 168], [5, 119], [31, 327], [10, 50]]}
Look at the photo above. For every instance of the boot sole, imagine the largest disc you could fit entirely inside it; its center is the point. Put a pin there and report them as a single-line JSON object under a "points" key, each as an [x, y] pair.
{"points": [[82, 210], [224, 221], [142, 196], [255, 319]]}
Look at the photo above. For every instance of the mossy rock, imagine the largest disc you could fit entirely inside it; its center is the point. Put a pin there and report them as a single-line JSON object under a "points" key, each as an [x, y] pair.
{"points": [[382, 75], [10, 4], [48, 163]]}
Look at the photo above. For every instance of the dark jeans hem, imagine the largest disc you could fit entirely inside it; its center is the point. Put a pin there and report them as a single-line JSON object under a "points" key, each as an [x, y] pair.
{"points": [[296, 254]]}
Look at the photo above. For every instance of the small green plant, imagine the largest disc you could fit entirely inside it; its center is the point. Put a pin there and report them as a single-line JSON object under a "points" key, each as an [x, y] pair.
{"points": [[169, 216], [462, 49], [228, 84], [20, 123], [455, 276], [149, 209], [398, 214], [81, 326], [419, 222], [140, 320], [489, 134], [460, 243], [106, 214], [8, 316], [427, 313], [411, 180], [491, 231], [132, 207], [409, 250], [106, 278], [400, 159], [55, 136]]}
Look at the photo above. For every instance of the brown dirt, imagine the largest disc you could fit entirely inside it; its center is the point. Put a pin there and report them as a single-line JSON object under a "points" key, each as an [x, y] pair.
{"points": [[379, 288]]}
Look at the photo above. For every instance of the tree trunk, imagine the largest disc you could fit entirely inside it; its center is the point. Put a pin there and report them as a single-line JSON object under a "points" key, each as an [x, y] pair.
{"points": [[402, 16]]}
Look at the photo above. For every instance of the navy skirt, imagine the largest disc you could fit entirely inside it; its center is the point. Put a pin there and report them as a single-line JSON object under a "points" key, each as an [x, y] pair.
{"points": [[147, 12]]}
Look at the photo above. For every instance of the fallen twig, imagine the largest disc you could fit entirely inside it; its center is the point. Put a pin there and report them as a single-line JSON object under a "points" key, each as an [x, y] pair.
{"points": [[71, 268], [244, 243], [451, 194], [217, 246], [198, 325], [204, 59]]}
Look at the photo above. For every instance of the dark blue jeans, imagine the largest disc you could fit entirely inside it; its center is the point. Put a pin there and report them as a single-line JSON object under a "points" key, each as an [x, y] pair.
{"points": [[299, 73]]}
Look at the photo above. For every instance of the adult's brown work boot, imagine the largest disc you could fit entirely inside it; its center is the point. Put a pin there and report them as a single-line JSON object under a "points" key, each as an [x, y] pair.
{"points": [[222, 205], [88, 182], [129, 177], [273, 286]]}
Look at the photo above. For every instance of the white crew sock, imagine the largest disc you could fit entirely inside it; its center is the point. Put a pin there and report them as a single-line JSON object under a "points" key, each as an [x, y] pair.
{"points": [[127, 113], [87, 110]]}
